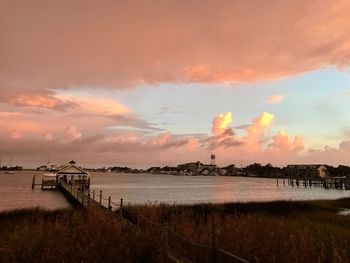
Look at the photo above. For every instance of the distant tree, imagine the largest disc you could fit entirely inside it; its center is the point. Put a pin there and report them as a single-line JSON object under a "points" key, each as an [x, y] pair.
{"points": [[263, 170], [343, 170]]}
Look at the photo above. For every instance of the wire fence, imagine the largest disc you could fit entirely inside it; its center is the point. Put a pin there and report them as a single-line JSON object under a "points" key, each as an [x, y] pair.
{"points": [[173, 243], [184, 247]]}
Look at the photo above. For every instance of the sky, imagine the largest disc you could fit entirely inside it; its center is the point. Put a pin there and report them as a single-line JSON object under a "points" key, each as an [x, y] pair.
{"points": [[154, 83]]}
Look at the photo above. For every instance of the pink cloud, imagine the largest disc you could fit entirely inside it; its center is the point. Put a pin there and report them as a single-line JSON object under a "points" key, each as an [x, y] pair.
{"points": [[275, 99], [138, 148], [283, 144], [221, 123], [71, 133], [256, 130], [44, 45]]}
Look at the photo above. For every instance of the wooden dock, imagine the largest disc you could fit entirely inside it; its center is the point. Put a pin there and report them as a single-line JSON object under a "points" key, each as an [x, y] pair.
{"points": [[338, 183], [174, 246]]}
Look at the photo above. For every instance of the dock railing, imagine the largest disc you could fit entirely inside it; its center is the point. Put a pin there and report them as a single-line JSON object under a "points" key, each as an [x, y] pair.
{"points": [[338, 183], [173, 244]]}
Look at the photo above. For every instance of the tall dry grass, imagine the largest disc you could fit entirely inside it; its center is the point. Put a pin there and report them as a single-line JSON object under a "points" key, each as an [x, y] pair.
{"points": [[72, 236], [273, 232]]}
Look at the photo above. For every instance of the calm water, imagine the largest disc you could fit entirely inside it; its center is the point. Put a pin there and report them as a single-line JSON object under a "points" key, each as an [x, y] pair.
{"points": [[16, 192]]}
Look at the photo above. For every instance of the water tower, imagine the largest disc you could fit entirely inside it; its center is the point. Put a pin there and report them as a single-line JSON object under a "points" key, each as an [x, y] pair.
{"points": [[212, 159]]}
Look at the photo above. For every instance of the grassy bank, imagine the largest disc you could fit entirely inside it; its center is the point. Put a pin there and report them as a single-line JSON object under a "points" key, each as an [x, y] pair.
{"points": [[72, 236], [307, 231]]}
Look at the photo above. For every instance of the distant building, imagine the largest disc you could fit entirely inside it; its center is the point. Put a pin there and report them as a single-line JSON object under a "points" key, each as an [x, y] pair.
{"points": [[154, 170], [307, 170], [197, 168], [194, 166]]}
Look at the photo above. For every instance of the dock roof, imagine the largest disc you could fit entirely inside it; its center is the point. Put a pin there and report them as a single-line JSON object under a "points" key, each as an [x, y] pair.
{"points": [[71, 169]]}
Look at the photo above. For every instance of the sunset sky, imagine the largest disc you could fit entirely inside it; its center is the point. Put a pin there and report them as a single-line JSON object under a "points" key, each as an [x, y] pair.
{"points": [[159, 82]]}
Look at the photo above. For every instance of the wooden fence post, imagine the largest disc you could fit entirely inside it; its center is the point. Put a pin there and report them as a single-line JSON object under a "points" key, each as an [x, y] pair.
{"points": [[121, 208], [100, 196], [214, 245], [109, 204], [33, 182], [165, 239]]}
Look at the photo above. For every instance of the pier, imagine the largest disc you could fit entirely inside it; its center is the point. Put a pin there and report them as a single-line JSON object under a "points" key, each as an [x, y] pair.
{"points": [[74, 183], [338, 183]]}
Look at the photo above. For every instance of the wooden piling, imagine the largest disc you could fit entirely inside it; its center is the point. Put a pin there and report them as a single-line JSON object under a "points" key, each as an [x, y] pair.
{"points": [[33, 181], [121, 208]]}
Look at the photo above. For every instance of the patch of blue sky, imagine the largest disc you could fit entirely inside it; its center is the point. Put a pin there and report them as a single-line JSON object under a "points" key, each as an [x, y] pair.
{"points": [[315, 105]]}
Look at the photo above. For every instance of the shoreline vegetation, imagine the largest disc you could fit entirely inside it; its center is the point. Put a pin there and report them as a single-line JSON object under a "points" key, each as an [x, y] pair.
{"points": [[278, 231]]}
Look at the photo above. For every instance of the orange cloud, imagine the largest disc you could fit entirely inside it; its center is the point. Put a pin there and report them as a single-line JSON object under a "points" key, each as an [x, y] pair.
{"points": [[275, 99], [264, 120], [104, 106], [221, 123], [256, 130], [176, 42], [37, 101], [71, 133], [135, 148], [283, 144]]}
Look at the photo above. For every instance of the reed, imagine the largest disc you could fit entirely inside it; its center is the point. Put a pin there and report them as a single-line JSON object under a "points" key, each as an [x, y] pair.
{"points": [[282, 231], [308, 231], [72, 236]]}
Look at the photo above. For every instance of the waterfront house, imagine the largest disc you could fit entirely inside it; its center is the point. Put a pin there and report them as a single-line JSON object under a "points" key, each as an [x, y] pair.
{"points": [[74, 175], [306, 170], [69, 174]]}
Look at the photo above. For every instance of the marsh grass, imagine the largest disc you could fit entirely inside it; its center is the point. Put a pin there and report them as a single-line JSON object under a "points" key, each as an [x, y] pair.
{"points": [[72, 236], [281, 231], [306, 231]]}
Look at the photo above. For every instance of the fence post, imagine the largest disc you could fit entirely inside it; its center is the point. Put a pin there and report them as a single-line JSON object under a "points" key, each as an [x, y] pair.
{"points": [[121, 208], [109, 203], [165, 239], [33, 181], [100, 196], [214, 245]]}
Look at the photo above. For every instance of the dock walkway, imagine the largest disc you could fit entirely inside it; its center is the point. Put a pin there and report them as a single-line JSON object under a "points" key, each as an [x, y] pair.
{"points": [[338, 183], [174, 246]]}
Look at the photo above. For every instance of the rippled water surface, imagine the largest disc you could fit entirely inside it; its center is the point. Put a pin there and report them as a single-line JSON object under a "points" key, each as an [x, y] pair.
{"points": [[16, 192], [137, 188]]}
